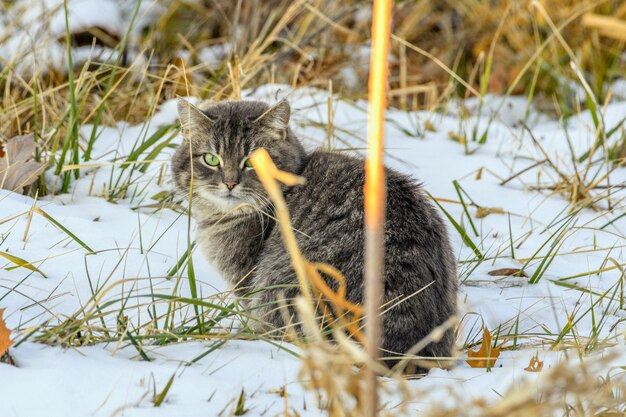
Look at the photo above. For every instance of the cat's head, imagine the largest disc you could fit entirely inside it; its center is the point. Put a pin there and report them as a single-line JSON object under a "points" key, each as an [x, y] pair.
{"points": [[217, 144]]}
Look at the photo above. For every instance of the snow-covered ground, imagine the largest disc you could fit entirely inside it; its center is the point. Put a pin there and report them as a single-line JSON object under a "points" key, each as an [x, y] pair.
{"points": [[33, 32], [135, 246]]}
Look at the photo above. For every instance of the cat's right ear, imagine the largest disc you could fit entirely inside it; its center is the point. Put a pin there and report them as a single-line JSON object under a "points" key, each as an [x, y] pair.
{"points": [[191, 118], [276, 118]]}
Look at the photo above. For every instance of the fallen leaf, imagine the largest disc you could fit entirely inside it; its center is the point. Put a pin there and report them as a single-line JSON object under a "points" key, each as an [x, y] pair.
{"points": [[482, 212], [17, 169], [514, 272], [486, 356], [5, 336], [535, 365]]}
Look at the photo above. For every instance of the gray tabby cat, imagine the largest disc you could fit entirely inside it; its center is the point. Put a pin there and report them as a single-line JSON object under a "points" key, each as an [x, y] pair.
{"points": [[240, 239]]}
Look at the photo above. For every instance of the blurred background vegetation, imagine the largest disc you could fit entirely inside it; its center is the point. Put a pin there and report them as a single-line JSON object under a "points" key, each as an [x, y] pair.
{"points": [[312, 42], [215, 48]]}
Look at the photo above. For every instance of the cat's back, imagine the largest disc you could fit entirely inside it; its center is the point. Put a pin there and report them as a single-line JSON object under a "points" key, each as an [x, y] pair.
{"points": [[329, 207], [328, 210], [334, 190], [334, 181]]}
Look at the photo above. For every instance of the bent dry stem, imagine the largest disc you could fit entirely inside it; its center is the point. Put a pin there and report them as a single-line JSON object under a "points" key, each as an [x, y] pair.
{"points": [[375, 195]]}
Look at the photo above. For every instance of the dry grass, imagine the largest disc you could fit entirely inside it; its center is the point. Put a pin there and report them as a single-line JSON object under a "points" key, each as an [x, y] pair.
{"points": [[309, 43], [584, 390], [565, 390]]}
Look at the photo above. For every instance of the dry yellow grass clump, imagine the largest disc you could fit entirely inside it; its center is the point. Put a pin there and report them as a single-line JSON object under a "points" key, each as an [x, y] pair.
{"points": [[310, 43]]}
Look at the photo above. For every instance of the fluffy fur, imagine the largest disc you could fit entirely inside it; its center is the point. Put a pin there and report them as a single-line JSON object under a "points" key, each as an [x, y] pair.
{"points": [[237, 233]]}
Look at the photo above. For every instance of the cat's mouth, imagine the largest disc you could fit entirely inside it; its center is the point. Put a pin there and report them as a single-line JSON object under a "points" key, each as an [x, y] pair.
{"points": [[230, 196], [227, 200]]}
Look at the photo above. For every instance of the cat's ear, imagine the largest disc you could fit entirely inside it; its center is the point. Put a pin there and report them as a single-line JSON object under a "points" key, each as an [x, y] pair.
{"points": [[191, 118], [277, 117]]}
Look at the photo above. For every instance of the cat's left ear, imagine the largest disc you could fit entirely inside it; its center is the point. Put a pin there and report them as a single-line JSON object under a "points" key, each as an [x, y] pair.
{"points": [[277, 117]]}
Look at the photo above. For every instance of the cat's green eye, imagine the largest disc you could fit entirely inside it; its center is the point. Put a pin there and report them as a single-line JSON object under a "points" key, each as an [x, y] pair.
{"points": [[248, 163], [211, 160]]}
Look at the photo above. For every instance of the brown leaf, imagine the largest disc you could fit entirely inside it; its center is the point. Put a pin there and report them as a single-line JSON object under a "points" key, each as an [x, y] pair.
{"points": [[482, 212], [514, 272], [486, 356], [535, 365], [17, 169], [5, 336]]}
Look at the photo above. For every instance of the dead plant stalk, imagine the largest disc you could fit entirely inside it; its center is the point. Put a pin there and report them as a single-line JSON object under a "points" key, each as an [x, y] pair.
{"points": [[375, 194]]}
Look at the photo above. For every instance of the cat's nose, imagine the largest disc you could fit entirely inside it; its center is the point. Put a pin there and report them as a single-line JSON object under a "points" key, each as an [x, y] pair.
{"points": [[230, 184]]}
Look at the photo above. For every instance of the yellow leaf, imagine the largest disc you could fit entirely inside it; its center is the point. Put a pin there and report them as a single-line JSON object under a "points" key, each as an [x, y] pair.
{"points": [[22, 263], [5, 333], [486, 356], [535, 365]]}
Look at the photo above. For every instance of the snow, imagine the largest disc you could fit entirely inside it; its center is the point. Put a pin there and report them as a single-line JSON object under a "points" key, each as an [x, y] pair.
{"points": [[33, 31], [213, 56], [135, 248], [93, 382]]}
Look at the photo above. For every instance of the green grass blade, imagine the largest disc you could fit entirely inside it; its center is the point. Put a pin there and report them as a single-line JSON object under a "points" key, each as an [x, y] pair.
{"points": [[210, 350], [154, 153], [71, 137], [181, 262], [22, 263], [457, 187], [140, 350], [159, 398], [64, 229], [466, 239], [154, 138]]}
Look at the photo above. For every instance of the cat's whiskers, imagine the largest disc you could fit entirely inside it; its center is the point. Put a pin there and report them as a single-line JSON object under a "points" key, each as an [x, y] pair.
{"points": [[266, 206], [217, 198], [258, 199]]}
